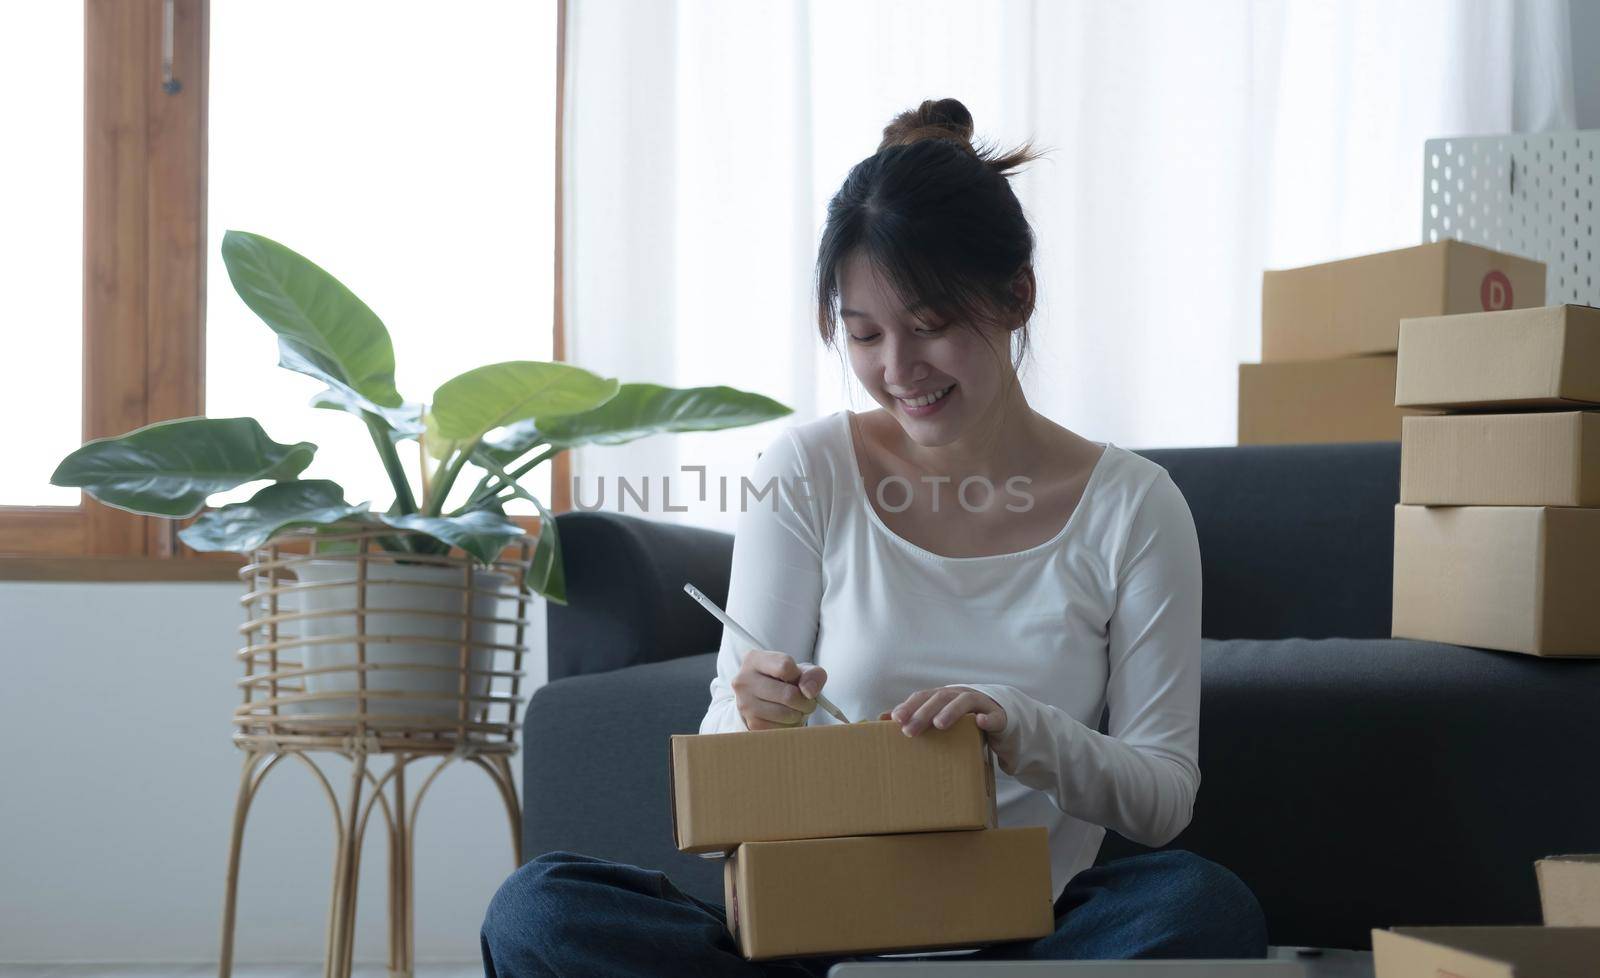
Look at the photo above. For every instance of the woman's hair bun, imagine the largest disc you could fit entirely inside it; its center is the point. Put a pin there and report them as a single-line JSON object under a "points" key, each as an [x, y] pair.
{"points": [[943, 118], [949, 120]]}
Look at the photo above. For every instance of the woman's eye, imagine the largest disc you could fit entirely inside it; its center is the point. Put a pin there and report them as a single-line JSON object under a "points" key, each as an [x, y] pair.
{"points": [[931, 330], [863, 339]]}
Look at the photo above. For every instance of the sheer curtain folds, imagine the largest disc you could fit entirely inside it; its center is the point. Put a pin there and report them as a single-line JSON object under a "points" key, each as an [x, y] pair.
{"points": [[1192, 145]]}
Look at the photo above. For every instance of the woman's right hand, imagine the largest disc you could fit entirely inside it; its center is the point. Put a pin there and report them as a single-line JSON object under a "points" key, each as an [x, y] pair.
{"points": [[773, 690]]}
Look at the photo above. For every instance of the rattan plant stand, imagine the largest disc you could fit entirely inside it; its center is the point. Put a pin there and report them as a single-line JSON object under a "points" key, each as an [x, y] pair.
{"points": [[368, 652]]}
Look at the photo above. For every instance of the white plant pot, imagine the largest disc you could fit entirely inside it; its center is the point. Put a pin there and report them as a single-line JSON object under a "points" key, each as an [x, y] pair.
{"points": [[394, 595]]}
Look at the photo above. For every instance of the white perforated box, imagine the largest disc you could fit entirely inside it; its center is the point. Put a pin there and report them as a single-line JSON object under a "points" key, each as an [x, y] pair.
{"points": [[1528, 194]]}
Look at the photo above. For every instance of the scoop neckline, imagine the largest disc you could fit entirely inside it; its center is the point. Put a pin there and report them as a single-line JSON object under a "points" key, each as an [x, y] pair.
{"points": [[876, 520]]}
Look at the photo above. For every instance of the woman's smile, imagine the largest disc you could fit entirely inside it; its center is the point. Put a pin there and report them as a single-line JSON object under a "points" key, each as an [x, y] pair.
{"points": [[922, 407]]}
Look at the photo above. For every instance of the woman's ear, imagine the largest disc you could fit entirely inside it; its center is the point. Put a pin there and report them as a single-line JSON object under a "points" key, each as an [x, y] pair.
{"points": [[1023, 288]]}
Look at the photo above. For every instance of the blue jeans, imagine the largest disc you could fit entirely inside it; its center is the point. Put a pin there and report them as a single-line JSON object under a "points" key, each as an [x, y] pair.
{"points": [[572, 915]]}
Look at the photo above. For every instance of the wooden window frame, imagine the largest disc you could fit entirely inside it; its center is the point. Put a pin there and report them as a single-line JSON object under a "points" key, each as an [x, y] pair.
{"points": [[144, 284], [143, 269]]}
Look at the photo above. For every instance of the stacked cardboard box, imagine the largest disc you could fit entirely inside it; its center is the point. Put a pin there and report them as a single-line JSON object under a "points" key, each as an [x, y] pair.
{"points": [[1485, 952], [1569, 890], [854, 838], [1498, 525], [1568, 944], [1330, 332]]}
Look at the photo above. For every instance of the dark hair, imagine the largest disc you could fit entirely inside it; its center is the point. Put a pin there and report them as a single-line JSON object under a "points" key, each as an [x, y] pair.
{"points": [[936, 215]]}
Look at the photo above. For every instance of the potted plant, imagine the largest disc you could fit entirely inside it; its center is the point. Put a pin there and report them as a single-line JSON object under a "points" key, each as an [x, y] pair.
{"points": [[504, 419]]}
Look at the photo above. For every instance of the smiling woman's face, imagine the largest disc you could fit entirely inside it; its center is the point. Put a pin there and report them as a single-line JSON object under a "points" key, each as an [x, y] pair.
{"points": [[902, 361]]}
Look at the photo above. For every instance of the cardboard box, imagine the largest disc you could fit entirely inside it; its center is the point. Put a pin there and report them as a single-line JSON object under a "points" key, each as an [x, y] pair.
{"points": [[1354, 307], [812, 782], [1526, 358], [886, 893], [1486, 952], [1318, 401], [1533, 459], [1516, 578], [1569, 890]]}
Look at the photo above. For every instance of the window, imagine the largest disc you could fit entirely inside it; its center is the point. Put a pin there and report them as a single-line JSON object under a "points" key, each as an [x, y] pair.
{"points": [[141, 210], [408, 148], [41, 249]]}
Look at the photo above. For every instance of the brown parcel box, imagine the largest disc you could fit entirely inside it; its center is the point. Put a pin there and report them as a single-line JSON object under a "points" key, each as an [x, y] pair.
{"points": [[889, 892], [1353, 307], [1569, 891], [1318, 401], [1525, 358], [1486, 952], [1538, 458], [1516, 578], [811, 782]]}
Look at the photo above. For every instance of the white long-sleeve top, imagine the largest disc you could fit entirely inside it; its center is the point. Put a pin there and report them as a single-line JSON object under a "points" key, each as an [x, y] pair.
{"points": [[1105, 614]]}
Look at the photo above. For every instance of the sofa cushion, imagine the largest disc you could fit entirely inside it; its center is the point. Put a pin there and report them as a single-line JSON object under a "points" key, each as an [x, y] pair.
{"points": [[1295, 540], [1358, 784]]}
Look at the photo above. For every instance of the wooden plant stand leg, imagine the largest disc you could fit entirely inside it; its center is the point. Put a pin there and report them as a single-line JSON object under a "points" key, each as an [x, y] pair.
{"points": [[350, 826], [400, 910], [346, 877], [249, 783], [498, 767]]}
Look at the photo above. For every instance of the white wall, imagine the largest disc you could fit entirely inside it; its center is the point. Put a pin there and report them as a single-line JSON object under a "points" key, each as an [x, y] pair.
{"points": [[117, 784]]}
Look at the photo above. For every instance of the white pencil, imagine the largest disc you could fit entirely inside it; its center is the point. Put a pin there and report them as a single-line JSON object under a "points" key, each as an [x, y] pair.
{"points": [[750, 640]]}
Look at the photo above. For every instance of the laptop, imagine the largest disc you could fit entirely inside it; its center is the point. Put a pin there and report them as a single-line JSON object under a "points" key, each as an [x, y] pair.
{"points": [[1252, 968]]}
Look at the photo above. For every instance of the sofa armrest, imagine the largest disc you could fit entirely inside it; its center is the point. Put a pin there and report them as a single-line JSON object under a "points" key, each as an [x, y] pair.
{"points": [[595, 767], [625, 601]]}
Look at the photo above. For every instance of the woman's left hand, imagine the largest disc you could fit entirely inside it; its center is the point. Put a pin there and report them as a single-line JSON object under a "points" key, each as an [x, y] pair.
{"points": [[944, 706]]}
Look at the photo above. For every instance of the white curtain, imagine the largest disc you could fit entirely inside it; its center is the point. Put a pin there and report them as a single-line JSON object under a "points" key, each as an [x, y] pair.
{"points": [[1191, 146]]}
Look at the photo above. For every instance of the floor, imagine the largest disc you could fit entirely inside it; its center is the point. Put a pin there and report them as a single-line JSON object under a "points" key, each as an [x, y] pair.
{"points": [[1330, 964]]}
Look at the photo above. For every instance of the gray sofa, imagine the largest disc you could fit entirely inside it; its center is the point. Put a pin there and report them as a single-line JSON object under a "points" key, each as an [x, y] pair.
{"points": [[1352, 780]]}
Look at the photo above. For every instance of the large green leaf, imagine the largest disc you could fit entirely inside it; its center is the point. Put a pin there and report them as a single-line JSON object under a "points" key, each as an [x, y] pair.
{"points": [[514, 442], [481, 400], [481, 533], [323, 330], [638, 410], [546, 572], [170, 467], [548, 569], [438, 446], [276, 508], [402, 422]]}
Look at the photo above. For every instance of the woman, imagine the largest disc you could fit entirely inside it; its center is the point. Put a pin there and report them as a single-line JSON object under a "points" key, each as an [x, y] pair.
{"points": [[952, 552]]}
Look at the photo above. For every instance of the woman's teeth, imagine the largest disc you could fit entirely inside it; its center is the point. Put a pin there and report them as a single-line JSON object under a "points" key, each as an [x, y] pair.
{"points": [[925, 401]]}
